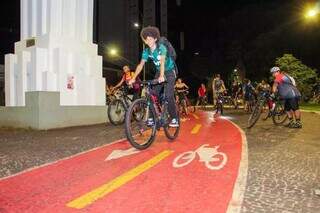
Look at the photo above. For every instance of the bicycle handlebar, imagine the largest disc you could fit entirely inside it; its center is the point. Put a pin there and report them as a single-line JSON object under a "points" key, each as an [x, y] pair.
{"points": [[152, 82]]}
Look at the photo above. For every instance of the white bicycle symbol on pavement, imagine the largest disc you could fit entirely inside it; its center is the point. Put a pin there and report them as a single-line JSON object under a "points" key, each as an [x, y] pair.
{"points": [[212, 158]]}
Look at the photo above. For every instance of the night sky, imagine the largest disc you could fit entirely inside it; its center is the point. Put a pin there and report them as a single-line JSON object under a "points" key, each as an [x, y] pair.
{"points": [[223, 32]]}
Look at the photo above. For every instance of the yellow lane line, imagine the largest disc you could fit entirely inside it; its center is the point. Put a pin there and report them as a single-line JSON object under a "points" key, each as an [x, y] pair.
{"points": [[196, 129], [195, 116], [114, 184]]}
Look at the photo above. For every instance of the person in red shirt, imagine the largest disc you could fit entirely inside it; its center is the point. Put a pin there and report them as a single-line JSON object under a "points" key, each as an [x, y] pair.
{"points": [[126, 77], [202, 94]]}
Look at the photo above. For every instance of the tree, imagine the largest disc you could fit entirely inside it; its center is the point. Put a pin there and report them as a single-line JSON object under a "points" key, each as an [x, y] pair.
{"points": [[304, 76]]}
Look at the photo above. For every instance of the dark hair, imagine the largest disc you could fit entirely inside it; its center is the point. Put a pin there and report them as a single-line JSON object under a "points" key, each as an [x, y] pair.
{"points": [[151, 32]]}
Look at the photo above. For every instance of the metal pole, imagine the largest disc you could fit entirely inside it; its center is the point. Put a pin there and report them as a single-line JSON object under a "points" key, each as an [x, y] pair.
{"points": [[144, 67]]}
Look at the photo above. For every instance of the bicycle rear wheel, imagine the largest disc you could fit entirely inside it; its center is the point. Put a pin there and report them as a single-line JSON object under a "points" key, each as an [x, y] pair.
{"points": [[279, 115], [170, 132], [140, 124], [116, 112], [255, 114]]}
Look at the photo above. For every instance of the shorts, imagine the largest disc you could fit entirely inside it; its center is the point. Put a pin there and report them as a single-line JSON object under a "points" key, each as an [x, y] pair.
{"points": [[291, 104]]}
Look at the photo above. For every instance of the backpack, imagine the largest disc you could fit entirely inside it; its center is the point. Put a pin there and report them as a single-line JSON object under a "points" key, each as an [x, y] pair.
{"points": [[171, 51]]}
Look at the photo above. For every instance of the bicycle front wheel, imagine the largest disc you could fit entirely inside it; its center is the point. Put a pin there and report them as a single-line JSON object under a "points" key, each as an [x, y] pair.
{"points": [[116, 112], [279, 115], [255, 114], [140, 124], [170, 132]]}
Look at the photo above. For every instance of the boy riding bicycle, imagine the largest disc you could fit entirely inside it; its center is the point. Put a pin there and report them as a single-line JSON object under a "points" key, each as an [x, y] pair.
{"points": [[165, 66]]}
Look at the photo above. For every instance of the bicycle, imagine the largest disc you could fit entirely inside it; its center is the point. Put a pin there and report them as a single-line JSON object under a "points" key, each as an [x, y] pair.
{"points": [[183, 102], [118, 107], [219, 103], [274, 110], [203, 102], [147, 115]]}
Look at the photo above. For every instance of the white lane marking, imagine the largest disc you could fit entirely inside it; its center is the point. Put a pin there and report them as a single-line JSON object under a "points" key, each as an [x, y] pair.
{"points": [[118, 153], [212, 158], [236, 201]]}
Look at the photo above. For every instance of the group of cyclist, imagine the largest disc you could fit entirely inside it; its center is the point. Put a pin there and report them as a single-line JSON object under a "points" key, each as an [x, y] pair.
{"points": [[176, 91]]}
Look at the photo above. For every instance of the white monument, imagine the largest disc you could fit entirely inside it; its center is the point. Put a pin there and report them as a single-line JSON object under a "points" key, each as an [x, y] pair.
{"points": [[54, 78], [56, 53]]}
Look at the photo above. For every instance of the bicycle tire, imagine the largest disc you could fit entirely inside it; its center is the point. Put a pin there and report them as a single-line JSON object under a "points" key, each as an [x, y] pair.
{"points": [[184, 107], [265, 114], [254, 116], [114, 112], [279, 115], [130, 119], [167, 128]]}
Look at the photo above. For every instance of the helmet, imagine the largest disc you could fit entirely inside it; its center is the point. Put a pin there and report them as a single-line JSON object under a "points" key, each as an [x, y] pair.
{"points": [[274, 69]]}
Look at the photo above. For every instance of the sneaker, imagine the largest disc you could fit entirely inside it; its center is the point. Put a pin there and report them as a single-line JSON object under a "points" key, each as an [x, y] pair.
{"points": [[291, 122], [296, 124], [174, 123], [150, 122]]}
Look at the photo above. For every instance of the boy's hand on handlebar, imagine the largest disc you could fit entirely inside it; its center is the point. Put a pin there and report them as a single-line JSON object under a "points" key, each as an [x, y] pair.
{"points": [[161, 79]]}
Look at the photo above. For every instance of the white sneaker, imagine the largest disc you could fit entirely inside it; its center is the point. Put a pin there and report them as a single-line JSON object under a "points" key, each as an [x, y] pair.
{"points": [[150, 122], [174, 123]]}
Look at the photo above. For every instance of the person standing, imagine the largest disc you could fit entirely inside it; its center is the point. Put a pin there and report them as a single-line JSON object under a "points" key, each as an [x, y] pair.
{"points": [[217, 87]]}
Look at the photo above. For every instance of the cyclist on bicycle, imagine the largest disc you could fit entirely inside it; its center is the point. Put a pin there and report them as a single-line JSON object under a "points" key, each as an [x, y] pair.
{"points": [[248, 94], [126, 77], [218, 87], [263, 86], [236, 91], [291, 95], [202, 94], [165, 67], [181, 90]]}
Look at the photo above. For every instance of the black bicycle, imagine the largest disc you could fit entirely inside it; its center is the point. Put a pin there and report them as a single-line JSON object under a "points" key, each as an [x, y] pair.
{"points": [[147, 115], [202, 102], [183, 102], [271, 107], [117, 108], [219, 103]]}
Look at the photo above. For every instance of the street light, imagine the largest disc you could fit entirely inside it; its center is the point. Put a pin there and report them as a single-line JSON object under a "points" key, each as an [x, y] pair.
{"points": [[136, 25], [312, 12], [113, 52]]}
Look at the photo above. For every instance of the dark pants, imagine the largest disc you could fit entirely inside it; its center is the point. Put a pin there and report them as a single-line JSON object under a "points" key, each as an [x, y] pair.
{"points": [[291, 104], [168, 91]]}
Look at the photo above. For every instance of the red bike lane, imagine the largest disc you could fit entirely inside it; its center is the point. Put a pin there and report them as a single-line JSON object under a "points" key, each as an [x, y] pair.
{"points": [[198, 172]]}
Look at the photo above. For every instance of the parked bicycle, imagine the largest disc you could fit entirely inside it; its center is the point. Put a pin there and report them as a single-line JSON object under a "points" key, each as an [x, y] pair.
{"points": [[117, 108], [147, 115], [271, 107]]}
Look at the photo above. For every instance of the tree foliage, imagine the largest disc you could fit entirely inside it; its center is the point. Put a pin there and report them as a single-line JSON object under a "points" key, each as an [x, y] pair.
{"points": [[304, 76]]}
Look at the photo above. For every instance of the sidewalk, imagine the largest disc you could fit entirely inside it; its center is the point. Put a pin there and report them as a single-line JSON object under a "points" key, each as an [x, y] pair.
{"points": [[284, 170], [23, 149]]}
